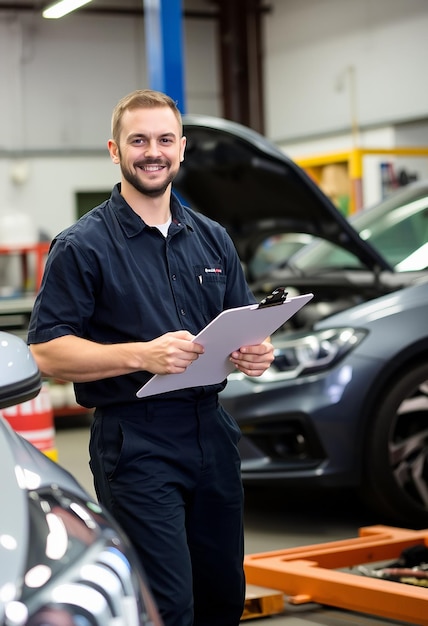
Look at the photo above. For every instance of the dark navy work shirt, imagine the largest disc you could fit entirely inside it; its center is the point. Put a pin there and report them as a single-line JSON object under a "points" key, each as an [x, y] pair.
{"points": [[110, 278]]}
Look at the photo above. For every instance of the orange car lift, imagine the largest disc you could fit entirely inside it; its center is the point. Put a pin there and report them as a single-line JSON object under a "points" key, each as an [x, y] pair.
{"points": [[311, 574]]}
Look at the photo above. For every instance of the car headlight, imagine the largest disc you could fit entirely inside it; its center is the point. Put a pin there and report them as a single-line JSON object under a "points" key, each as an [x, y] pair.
{"points": [[80, 569], [305, 353]]}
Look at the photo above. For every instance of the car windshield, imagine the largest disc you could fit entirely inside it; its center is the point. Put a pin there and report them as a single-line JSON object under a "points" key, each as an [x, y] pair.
{"points": [[397, 228]]}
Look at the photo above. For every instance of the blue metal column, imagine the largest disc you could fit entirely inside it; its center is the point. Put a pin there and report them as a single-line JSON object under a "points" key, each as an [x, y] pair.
{"points": [[164, 48]]}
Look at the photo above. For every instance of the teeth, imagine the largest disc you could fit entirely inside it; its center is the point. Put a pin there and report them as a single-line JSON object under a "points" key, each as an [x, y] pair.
{"points": [[152, 168]]}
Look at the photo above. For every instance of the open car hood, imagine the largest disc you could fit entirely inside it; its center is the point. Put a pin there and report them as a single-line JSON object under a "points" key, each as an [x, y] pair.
{"points": [[237, 177]]}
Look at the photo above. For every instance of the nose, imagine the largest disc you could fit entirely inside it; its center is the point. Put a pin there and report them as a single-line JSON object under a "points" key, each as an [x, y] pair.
{"points": [[152, 148]]}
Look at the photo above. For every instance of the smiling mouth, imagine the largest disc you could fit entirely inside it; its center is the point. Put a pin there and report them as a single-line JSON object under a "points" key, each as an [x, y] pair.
{"points": [[151, 168]]}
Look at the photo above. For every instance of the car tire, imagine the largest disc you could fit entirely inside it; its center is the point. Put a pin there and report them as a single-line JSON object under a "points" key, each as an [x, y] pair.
{"points": [[396, 465]]}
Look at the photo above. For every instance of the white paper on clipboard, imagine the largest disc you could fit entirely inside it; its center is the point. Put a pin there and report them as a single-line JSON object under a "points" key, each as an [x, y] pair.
{"points": [[231, 329]]}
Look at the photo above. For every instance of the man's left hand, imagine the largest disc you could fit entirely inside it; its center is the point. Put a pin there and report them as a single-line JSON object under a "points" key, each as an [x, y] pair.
{"points": [[253, 360]]}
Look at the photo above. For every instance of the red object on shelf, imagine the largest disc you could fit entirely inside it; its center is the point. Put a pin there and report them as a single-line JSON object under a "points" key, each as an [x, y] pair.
{"points": [[39, 250]]}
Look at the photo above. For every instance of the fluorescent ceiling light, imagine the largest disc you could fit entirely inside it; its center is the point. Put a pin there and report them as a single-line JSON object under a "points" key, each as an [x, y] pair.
{"points": [[58, 9]]}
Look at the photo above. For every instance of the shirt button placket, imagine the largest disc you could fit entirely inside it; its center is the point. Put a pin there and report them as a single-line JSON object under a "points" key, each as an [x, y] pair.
{"points": [[175, 283]]}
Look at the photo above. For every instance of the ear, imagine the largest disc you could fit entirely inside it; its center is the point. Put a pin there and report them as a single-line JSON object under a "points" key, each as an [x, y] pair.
{"points": [[114, 151], [182, 148]]}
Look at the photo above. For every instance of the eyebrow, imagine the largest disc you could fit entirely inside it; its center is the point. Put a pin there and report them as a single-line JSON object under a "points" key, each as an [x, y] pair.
{"points": [[145, 136]]}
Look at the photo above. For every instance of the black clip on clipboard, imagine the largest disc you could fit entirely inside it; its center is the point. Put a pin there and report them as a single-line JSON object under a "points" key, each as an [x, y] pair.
{"points": [[231, 329], [278, 296]]}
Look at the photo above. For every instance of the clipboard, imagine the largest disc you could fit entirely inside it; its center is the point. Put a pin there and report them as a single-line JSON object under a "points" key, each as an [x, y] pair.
{"points": [[231, 329]]}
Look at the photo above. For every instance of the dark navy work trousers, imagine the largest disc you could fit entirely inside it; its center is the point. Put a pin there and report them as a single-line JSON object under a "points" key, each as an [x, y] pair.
{"points": [[169, 472]]}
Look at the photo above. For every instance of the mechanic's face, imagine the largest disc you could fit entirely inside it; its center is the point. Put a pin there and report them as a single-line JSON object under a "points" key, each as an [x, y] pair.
{"points": [[151, 149]]}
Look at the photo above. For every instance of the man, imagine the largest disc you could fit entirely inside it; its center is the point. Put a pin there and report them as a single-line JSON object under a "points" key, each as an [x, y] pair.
{"points": [[121, 300]]}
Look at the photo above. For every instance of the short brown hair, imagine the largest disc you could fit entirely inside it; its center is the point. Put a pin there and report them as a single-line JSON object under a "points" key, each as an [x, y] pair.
{"points": [[144, 99]]}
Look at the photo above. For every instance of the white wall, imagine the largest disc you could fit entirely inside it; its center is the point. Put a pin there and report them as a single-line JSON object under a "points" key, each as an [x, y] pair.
{"points": [[60, 81], [330, 60], [64, 76], [343, 73], [47, 192]]}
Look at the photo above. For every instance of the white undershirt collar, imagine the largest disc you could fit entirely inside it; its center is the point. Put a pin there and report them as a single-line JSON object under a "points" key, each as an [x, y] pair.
{"points": [[163, 228]]}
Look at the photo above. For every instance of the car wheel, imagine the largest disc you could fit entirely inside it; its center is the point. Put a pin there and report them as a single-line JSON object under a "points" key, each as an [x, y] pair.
{"points": [[396, 465]]}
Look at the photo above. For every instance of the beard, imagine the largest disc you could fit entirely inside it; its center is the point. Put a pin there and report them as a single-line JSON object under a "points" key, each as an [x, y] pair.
{"points": [[151, 190]]}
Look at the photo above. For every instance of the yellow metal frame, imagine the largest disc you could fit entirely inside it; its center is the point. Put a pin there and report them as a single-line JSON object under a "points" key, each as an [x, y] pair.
{"points": [[311, 574], [354, 159]]}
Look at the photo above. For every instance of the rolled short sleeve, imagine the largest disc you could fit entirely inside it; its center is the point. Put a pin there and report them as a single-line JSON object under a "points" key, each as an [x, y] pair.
{"points": [[65, 301]]}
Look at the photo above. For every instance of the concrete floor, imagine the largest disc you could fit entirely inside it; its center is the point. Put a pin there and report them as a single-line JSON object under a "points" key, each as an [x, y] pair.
{"points": [[273, 521]]}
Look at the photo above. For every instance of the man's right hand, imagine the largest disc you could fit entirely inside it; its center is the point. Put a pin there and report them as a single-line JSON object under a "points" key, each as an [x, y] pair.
{"points": [[171, 353]]}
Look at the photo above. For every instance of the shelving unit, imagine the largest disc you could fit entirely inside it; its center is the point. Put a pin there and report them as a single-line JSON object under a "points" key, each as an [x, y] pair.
{"points": [[17, 299], [353, 161], [30, 282]]}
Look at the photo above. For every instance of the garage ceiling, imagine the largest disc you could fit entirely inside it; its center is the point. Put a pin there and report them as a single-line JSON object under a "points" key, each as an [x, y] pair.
{"points": [[195, 8], [239, 40]]}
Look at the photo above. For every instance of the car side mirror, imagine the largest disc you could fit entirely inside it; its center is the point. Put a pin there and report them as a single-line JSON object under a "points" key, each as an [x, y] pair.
{"points": [[20, 378]]}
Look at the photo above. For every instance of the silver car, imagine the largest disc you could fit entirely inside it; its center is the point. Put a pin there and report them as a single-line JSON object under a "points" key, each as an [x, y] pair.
{"points": [[63, 560]]}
